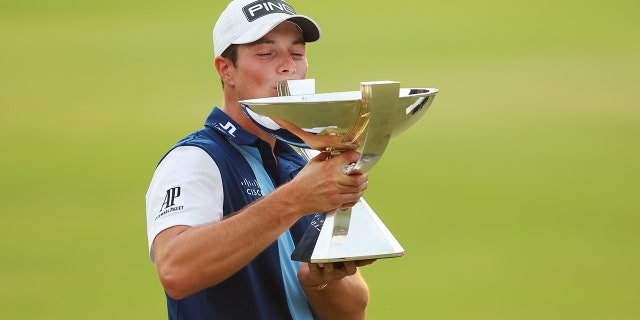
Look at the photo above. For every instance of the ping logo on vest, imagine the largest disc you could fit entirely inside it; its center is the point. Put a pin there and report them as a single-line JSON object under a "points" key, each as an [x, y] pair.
{"points": [[261, 8]]}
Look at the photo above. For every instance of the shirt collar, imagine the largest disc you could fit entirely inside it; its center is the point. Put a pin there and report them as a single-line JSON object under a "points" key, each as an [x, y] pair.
{"points": [[221, 122]]}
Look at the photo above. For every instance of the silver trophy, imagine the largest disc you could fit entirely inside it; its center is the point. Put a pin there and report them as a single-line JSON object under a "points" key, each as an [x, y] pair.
{"points": [[363, 120]]}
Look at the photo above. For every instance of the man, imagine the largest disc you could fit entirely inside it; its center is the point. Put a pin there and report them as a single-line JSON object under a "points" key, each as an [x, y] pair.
{"points": [[227, 205]]}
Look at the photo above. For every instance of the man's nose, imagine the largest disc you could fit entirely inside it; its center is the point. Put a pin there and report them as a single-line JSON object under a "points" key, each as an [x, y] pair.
{"points": [[287, 64]]}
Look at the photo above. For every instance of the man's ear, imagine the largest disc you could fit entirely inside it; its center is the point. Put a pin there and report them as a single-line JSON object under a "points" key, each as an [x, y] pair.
{"points": [[225, 69]]}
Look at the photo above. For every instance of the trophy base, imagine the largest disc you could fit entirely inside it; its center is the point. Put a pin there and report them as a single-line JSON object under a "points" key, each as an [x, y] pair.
{"points": [[367, 238]]}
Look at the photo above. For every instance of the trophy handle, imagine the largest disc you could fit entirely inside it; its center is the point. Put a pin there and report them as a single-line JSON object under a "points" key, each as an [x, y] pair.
{"points": [[379, 99]]}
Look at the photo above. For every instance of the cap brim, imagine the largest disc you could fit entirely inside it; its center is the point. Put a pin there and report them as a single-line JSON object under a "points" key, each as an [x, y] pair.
{"points": [[310, 29]]}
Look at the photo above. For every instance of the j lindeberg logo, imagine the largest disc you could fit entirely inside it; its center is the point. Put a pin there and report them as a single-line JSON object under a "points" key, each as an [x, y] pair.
{"points": [[169, 204], [259, 9], [228, 127]]}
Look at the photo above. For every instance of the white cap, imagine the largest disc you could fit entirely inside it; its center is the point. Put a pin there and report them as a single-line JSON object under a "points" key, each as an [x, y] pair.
{"points": [[245, 21]]}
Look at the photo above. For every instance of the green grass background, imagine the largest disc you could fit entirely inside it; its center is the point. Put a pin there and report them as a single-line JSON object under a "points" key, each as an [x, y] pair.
{"points": [[515, 197]]}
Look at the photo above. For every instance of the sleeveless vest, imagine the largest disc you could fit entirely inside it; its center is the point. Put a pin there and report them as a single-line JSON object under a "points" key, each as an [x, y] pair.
{"points": [[257, 290]]}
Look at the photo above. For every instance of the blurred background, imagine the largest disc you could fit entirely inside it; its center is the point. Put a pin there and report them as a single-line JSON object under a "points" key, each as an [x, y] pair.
{"points": [[515, 197]]}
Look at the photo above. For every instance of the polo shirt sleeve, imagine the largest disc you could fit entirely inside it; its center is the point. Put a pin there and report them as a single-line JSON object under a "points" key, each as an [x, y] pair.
{"points": [[186, 189]]}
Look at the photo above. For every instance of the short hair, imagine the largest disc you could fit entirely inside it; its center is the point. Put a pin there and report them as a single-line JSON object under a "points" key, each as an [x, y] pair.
{"points": [[231, 53]]}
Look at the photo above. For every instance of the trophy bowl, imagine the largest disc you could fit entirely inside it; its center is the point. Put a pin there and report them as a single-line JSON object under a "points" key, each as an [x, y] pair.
{"points": [[331, 120]]}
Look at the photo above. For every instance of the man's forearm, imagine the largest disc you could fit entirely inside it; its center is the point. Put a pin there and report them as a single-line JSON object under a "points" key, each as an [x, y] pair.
{"points": [[190, 259], [346, 298]]}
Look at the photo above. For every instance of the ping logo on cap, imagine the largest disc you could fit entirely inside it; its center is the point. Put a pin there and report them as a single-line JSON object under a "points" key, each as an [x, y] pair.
{"points": [[259, 9]]}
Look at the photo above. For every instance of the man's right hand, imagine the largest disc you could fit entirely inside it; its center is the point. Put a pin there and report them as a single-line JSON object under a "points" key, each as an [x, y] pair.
{"points": [[321, 186]]}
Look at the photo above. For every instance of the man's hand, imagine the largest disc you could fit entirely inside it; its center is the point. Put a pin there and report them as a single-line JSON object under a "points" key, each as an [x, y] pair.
{"points": [[313, 275], [335, 290], [321, 186]]}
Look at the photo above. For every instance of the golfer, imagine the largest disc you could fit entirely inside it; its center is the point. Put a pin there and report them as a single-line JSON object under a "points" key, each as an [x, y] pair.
{"points": [[228, 203]]}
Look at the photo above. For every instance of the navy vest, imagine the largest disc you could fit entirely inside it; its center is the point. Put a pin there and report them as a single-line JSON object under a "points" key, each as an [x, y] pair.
{"points": [[257, 290]]}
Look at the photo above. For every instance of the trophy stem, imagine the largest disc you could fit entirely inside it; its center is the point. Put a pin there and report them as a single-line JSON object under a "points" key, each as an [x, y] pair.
{"points": [[342, 220]]}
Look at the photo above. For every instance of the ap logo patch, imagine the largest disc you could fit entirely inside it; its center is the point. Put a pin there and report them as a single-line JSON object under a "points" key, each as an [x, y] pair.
{"points": [[169, 203]]}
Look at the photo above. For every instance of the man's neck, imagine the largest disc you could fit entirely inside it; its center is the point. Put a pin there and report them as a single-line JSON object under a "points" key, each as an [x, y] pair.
{"points": [[235, 112]]}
